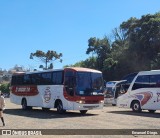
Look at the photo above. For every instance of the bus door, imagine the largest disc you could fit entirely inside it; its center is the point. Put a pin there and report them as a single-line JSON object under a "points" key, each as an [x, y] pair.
{"points": [[120, 89], [69, 86]]}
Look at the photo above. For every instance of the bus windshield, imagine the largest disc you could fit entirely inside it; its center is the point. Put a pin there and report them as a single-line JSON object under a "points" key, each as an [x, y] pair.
{"points": [[89, 83]]}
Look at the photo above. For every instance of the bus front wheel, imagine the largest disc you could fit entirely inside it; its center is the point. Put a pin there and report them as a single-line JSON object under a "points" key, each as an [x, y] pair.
{"points": [[136, 107], [83, 111], [151, 111], [60, 108]]}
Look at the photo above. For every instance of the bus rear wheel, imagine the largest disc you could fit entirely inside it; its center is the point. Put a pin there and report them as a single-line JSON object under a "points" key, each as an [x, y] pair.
{"points": [[136, 107], [151, 111], [83, 111], [60, 108], [24, 104]]}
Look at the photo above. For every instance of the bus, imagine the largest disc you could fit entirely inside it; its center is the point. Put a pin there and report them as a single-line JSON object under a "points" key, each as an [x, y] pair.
{"points": [[109, 92], [143, 93], [71, 88], [113, 90]]}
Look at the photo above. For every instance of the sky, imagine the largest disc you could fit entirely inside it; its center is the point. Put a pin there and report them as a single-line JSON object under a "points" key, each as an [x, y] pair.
{"points": [[60, 25]]}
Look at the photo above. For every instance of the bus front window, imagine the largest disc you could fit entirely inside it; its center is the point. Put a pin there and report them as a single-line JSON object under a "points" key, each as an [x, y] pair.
{"points": [[89, 83]]}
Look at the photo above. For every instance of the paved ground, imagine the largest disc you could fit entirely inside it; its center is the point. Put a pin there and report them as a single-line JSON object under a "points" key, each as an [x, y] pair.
{"points": [[111, 117]]}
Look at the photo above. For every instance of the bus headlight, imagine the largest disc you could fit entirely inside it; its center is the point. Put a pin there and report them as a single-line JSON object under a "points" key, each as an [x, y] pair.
{"points": [[101, 101], [80, 102]]}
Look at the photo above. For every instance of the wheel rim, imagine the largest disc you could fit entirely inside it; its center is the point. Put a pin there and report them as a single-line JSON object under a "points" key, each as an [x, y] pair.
{"points": [[136, 106]]}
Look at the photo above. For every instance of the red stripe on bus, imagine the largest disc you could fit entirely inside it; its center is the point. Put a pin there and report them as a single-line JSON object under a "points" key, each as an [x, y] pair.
{"points": [[88, 99], [24, 90]]}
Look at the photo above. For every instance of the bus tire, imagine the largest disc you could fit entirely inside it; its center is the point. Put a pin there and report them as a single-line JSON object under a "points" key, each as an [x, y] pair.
{"points": [[136, 107], [83, 111], [151, 111], [45, 109], [24, 104], [29, 107], [113, 104], [60, 109]]}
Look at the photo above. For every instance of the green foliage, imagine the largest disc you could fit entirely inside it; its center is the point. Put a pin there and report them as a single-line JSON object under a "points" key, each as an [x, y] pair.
{"points": [[5, 87], [100, 48], [135, 46], [144, 40], [46, 58], [109, 64], [88, 63]]}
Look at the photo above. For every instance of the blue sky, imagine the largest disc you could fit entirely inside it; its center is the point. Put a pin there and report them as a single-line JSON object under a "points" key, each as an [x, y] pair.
{"points": [[60, 25]]}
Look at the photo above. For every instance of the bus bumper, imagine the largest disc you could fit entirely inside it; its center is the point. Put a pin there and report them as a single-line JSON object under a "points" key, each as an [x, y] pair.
{"points": [[88, 106]]}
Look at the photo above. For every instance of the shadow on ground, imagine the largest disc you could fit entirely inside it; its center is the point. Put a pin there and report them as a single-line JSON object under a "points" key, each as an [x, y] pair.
{"points": [[143, 113], [50, 114]]}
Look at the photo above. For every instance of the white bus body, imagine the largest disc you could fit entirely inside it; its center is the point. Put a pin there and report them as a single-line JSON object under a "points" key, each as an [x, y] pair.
{"points": [[143, 93], [71, 90]]}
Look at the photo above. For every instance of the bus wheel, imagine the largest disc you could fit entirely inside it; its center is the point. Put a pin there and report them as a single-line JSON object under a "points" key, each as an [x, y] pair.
{"points": [[60, 108], [45, 109], [24, 104], [83, 111], [29, 107], [136, 107], [151, 111]]}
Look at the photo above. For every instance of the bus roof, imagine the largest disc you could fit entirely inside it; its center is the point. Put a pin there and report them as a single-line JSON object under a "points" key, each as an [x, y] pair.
{"points": [[50, 70], [84, 69], [73, 68], [149, 72], [18, 73], [114, 83], [32, 72]]}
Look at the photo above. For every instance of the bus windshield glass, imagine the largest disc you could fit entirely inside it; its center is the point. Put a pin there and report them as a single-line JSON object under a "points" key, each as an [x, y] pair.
{"points": [[89, 83]]}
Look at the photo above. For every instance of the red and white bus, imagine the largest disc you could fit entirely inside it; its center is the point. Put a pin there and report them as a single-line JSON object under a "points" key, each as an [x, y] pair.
{"points": [[71, 88]]}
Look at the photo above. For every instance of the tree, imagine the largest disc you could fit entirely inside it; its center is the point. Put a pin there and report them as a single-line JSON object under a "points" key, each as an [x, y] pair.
{"points": [[135, 46], [46, 58], [88, 63], [144, 39], [5, 87], [100, 48]]}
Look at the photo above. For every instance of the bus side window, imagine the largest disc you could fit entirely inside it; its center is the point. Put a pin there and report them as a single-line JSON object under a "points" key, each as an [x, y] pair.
{"points": [[155, 80], [57, 78], [19, 79], [14, 80], [36, 79], [46, 78], [27, 79], [141, 82]]}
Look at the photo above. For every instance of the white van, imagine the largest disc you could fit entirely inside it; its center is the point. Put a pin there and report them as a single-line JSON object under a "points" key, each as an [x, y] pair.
{"points": [[113, 90], [143, 93]]}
